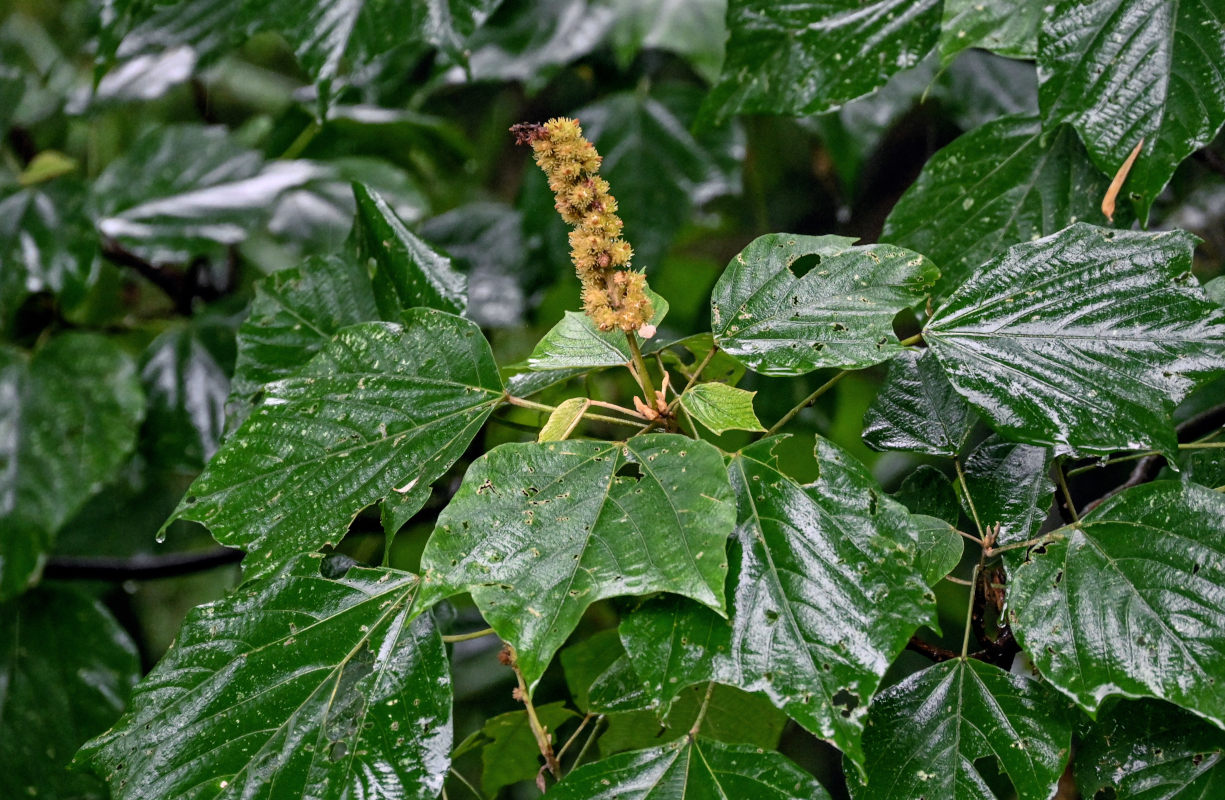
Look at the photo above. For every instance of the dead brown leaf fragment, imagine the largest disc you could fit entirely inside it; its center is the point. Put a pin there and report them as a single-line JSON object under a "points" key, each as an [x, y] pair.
{"points": [[1112, 192]]}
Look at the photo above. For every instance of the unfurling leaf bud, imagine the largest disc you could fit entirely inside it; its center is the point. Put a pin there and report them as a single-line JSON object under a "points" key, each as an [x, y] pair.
{"points": [[614, 296]]}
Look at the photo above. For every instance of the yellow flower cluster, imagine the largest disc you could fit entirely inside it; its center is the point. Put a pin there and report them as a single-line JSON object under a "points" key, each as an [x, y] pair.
{"points": [[614, 296]]}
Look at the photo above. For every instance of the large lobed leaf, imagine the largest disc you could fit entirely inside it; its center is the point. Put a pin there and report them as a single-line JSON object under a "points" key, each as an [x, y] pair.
{"points": [[927, 734], [1122, 71], [538, 532], [380, 413], [837, 314], [814, 55], [297, 685], [1085, 340], [1129, 601]]}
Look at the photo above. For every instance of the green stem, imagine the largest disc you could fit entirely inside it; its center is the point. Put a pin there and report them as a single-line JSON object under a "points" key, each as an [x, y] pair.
{"points": [[532, 404], [1046, 538], [965, 489], [299, 144], [464, 637], [695, 375], [807, 401], [1067, 494], [965, 639], [913, 340], [644, 378]]}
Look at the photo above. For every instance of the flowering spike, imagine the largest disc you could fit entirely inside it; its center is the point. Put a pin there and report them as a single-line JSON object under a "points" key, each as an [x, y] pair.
{"points": [[614, 296]]}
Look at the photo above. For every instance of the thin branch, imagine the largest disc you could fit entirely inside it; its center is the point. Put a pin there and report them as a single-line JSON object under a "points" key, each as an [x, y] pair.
{"points": [[562, 752], [697, 723], [932, 651], [138, 568], [965, 488], [1065, 491], [543, 742], [965, 639], [464, 637], [1056, 535], [640, 367], [913, 340], [807, 401], [695, 375], [532, 404], [591, 737], [465, 782]]}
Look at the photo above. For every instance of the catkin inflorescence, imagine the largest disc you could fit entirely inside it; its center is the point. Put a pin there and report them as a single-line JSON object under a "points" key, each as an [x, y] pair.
{"points": [[614, 296]]}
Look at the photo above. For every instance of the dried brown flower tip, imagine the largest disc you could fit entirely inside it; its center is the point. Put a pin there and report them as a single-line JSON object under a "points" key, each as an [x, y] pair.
{"points": [[614, 296]]}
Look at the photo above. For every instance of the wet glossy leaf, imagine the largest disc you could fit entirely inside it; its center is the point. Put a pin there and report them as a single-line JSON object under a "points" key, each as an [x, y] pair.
{"points": [[186, 389], [917, 409], [1129, 602], [660, 166], [295, 313], [1007, 27], [1010, 486], [926, 735], [690, 770], [694, 29], [187, 190], [1125, 70], [930, 492], [577, 342], [1147, 750], [380, 413], [940, 548], [805, 57], [584, 661], [510, 753], [538, 532], [827, 591], [993, 187], [67, 668], [296, 685], [68, 420], [405, 271], [790, 304], [1084, 340], [721, 407]]}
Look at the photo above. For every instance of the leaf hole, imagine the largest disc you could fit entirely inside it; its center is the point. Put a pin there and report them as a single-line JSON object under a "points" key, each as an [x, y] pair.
{"points": [[805, 264], [1106, 793], [1195, 569], [629, 470], [847, 701]]}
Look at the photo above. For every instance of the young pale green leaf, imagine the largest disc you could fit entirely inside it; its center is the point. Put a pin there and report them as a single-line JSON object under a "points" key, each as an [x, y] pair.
{"points": [[940, 548], [1010, 486], [930, 492], [577, 342], [510, 753], [1129, 601], [1007, 27], [998, 185], [563, 420], [721, 407], [827, 591], [926, 734], [68, 420], [66, 667], [690, 769], [1147, 750], [538, 532], [1085, 340], [297, 685], [380, 413], [1126, 71], [295, 313], [917, 409], [814, 55], [838, 312], [404, 271]]}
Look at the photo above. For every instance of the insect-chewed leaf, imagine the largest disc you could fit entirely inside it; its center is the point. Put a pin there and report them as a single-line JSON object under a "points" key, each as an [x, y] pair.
{"points": [[1084, 340], [538, 532], [379, 414], [838, 313], [297, 685], [1129, 603], [721, 407]]}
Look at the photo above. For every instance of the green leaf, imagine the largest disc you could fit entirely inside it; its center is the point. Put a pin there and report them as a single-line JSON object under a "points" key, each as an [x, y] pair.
{"points": [[927, 490], [390, 406], [1147, 750], [1125, 70], [46, 166], [584, 661], [1007, 27], [721, 407], [296, 685], [66, 667], [577, 342], [998, 185], [659, 165], [295, 313], [811, 56], [694, 29], [827, 591], [186, 190], [186, 389], [790, 304], [927, 734], [1010, 485], [404, 271], [510, 754], [1128, 602], [538, 532], [917, 409], [720, 367], [940, 548], [690, 769], [563, 419], [1085, 340], [68, 420], [534, 39]]}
